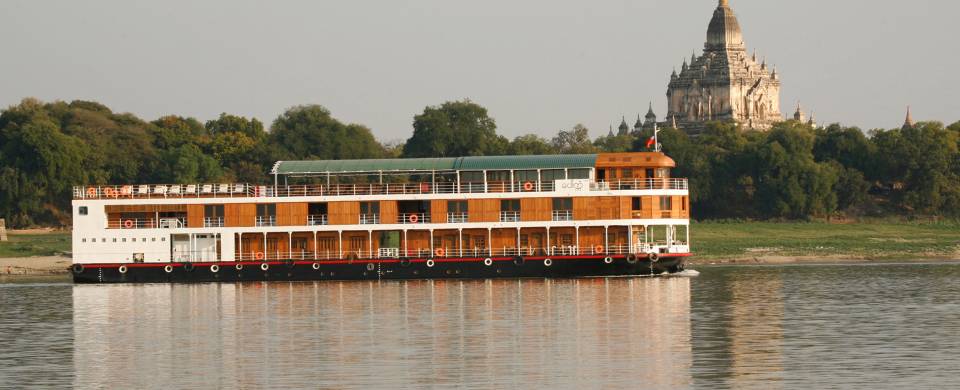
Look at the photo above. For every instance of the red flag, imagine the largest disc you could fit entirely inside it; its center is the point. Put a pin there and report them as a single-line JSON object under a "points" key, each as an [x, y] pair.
{"points": [[650, 142]]}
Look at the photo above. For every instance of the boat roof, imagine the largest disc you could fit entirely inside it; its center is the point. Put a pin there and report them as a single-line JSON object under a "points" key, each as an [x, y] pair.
{"points": [[477, 163]]}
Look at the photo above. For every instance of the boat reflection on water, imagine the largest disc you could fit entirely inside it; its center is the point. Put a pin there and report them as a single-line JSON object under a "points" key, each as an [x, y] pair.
{"points": [[503, 333]]}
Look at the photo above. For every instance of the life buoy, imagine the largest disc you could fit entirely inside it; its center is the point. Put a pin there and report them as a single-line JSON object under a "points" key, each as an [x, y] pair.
{"points": [[91, 192], [239, 267], [414, 218], [547, 262], [631, 258], [608, 260], [488, 262], [598, 249], [264, 266], [214, 268], [316, 266], [430, 263], [168, 268], [128, 224], [78, 269], [122, 269], [188, 267], [258, 255], [528, 186], [108, 192], [653, 257], [439, 252], [370, 266]]}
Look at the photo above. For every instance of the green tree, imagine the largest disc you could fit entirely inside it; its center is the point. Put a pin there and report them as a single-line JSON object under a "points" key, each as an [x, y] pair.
{"points": [[530, 144], [574, 141], [454, 129], [310, 132]]}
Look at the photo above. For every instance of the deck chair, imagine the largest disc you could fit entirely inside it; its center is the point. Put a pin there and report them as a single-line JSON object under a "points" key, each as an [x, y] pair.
{"points": [[206, 189]]}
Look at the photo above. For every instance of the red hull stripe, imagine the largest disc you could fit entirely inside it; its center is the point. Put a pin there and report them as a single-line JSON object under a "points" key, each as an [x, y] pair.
{"points": [[360, 261]]}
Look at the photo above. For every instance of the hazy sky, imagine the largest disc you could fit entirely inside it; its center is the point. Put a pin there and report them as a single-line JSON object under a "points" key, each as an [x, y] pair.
{"points": [[538, 65]]}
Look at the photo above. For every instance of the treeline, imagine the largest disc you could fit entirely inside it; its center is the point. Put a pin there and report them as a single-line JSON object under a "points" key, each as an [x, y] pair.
{"points": [[791, 172]]}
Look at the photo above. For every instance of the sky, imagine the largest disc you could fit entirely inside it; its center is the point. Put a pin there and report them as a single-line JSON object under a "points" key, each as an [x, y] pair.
{"points": [[538, 66]]}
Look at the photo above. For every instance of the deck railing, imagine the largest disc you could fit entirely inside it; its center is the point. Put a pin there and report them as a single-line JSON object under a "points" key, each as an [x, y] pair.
{"points": [[453, 252], [317, 220], [413, 218], [457, 217], [562, 215], [243, 190]]}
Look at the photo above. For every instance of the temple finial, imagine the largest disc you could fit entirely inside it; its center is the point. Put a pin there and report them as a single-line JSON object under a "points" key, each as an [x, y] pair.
{"points": [[908, 123]]}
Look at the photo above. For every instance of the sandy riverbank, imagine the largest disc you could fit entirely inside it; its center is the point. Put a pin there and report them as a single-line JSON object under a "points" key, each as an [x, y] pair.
{"points": [[32, 266]]}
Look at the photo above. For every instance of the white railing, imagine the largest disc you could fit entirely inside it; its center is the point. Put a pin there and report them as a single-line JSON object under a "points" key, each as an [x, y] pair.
{"points": [[317, 220], [562, 215], [131, 223], [413, 218], [369, 219], [266, 220], [152, 191], [457, 218], [509, 216], [454, 252], [213, 222]]}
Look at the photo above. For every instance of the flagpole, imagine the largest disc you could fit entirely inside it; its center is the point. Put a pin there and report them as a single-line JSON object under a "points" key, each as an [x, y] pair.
{"points": [[656, 140]]}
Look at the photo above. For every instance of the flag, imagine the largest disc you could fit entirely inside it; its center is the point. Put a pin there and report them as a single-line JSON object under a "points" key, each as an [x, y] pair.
{"points": [[651, 142]]}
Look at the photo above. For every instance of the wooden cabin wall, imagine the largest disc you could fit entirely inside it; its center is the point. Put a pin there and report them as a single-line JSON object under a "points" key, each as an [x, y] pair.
{"points": [[291, 214], [438, 211], [389, 213], [483, 210], [536, 209], [194, 215], [343, 213], [591, 237], [503, 239]]}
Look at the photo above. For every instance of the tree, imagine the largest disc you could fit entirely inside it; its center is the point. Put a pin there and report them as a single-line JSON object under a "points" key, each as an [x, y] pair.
{"points": [[530, 144], [790, 183], [310, 132], [454, 129], [575, 141], [615, 143]]}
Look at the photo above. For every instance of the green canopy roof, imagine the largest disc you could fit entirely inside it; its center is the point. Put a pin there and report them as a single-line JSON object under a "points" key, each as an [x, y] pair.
{"points": [[297, 168]]}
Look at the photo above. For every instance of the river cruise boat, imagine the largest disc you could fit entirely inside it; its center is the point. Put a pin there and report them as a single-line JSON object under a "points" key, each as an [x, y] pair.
{"points": [[562, 216]]}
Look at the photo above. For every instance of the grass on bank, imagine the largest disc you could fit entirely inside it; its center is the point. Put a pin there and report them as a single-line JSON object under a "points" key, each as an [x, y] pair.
{"points": [[871, 240], [35, 244]]}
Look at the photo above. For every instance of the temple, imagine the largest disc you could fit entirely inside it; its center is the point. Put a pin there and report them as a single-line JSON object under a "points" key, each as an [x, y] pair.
{"points": [[724, 83]]}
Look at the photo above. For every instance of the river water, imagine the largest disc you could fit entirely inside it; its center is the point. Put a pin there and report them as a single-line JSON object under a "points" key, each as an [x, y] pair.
{"points": [[765, 327]]}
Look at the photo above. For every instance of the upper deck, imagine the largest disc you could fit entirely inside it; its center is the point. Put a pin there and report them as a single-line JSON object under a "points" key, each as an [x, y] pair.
{"points": [[464, 175]]}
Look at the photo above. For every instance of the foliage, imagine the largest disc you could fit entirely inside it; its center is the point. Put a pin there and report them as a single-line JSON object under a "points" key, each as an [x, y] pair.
{"points": [[794, 171], [453, 129]]}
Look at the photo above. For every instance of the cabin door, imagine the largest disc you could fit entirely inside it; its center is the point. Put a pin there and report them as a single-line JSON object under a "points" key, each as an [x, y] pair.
{"points": [[179, 247], [537, 243]]}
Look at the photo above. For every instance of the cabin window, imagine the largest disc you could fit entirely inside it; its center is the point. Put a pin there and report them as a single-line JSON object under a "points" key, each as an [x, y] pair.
{"points": [[666, 203], [663, 172], [637, 204], [211, 211], [84, 240], [471, 177], [549, 175], [370, 208], [510, 205], [683, 205], [498, 176], [83, 210], [266, 214], [562, 204], [457, 206], [578, 173], [649, 173], [627, 173], [525, 176]]}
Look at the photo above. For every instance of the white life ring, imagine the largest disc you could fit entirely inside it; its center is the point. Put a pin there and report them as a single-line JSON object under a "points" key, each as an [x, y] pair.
{"points": [[654, 257], [214, 268], [488, 262], [264, 266], [238, 267], [168, 269], [370, 266], [608, 260], [430, 263], [123, 269], [316, 266], [547, 262]]}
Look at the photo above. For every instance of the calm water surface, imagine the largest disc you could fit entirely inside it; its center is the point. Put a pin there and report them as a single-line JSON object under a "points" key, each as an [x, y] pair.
{"points": [[854, 326]]}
